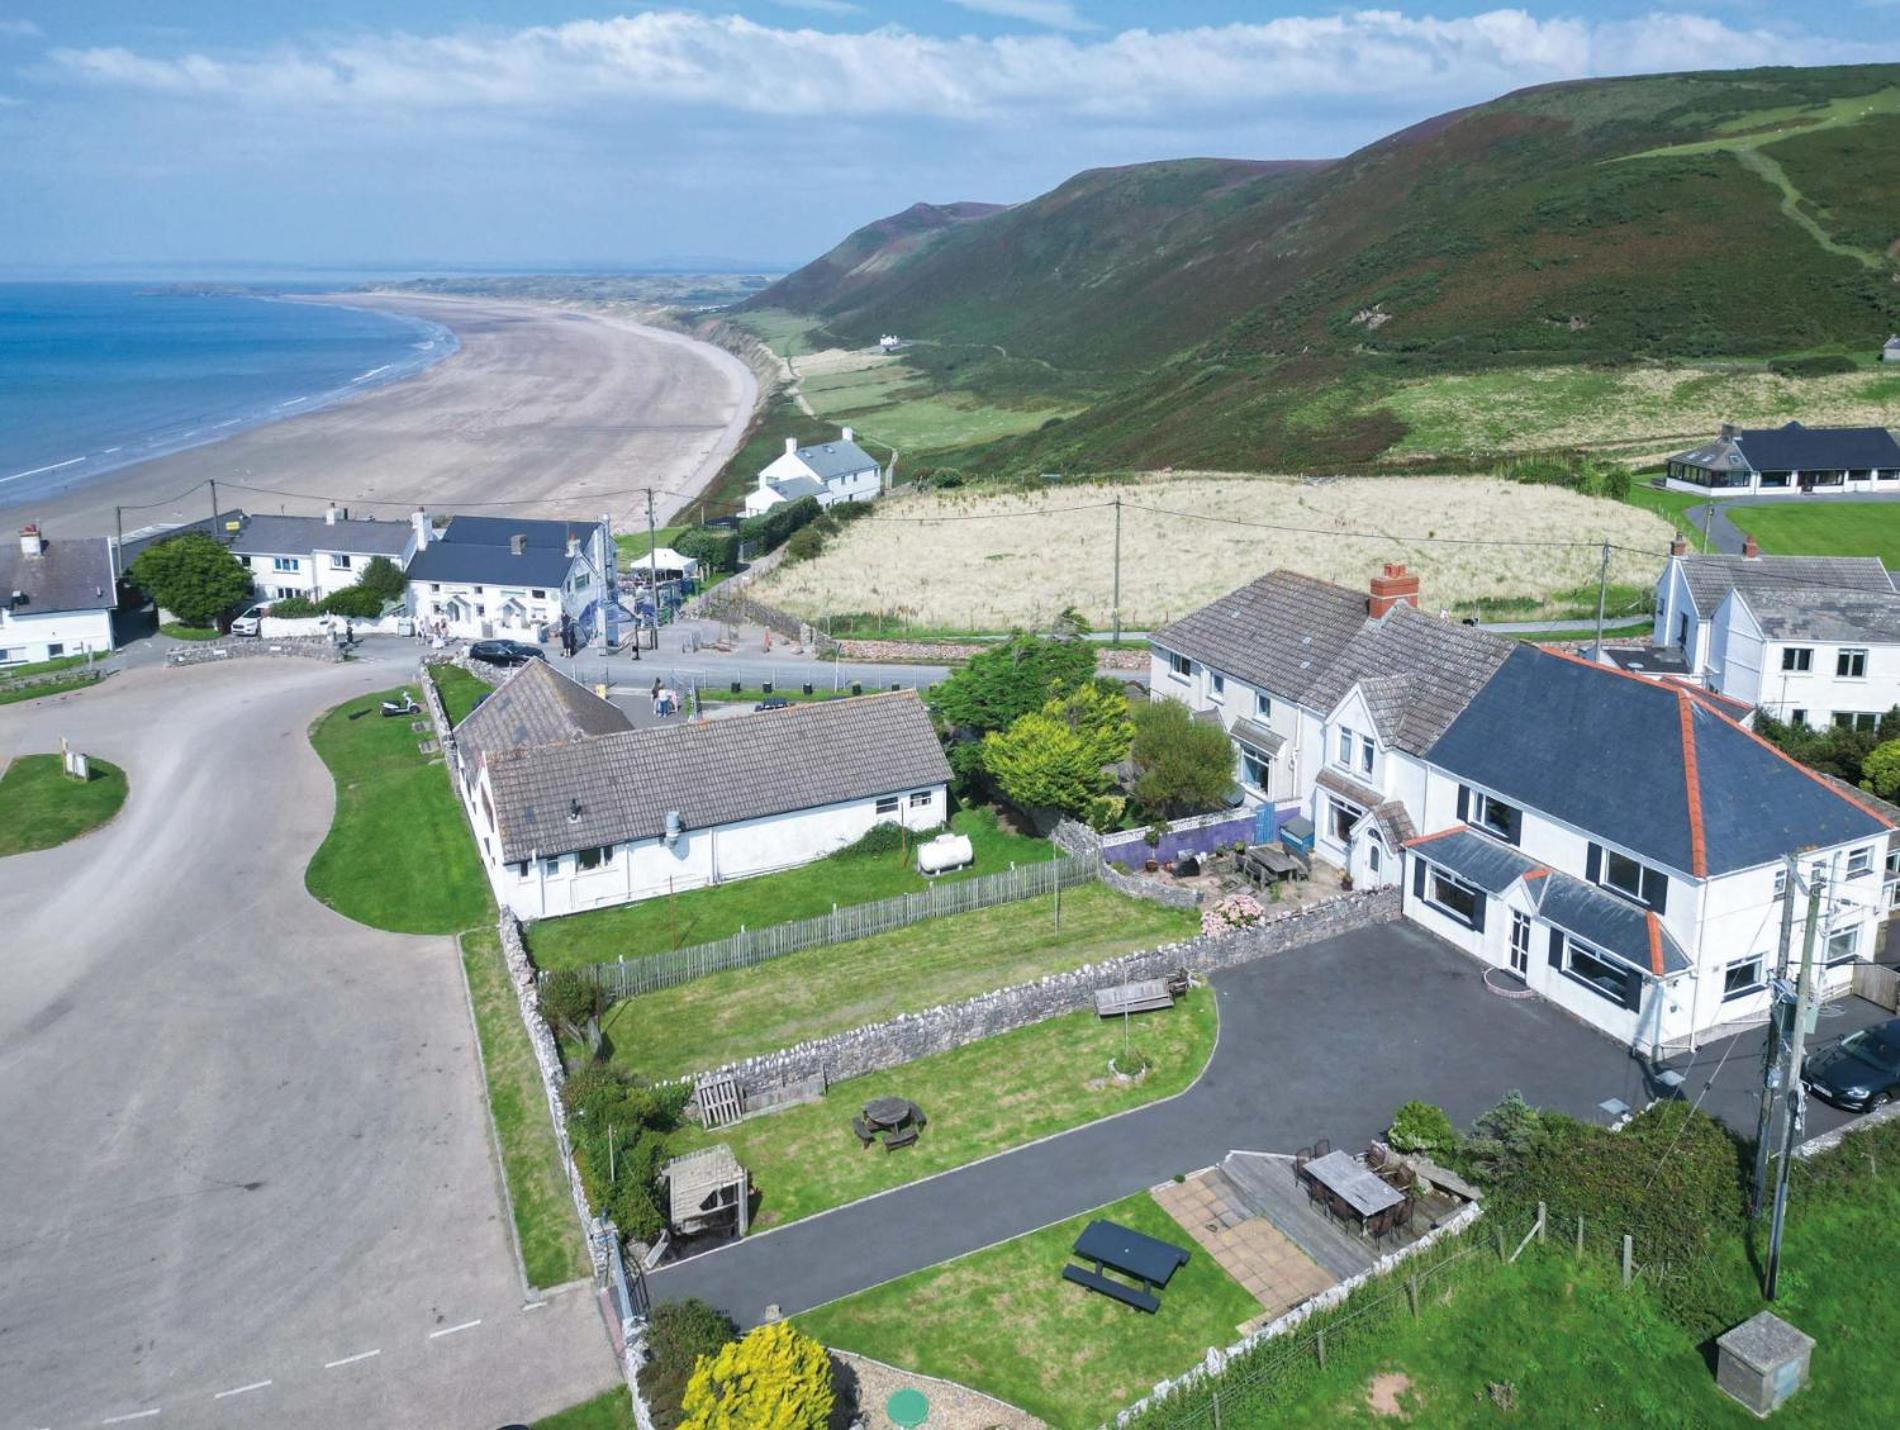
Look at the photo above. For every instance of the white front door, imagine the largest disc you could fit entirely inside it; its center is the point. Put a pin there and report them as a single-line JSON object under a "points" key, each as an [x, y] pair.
{"points": [[1520, 944]]}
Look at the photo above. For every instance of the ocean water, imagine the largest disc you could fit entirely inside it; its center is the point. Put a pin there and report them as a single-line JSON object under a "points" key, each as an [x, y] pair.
{"points": [[96, 376]]}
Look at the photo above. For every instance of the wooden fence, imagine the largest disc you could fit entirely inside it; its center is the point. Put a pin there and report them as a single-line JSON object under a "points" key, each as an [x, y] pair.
{"points": [[629, 978]]}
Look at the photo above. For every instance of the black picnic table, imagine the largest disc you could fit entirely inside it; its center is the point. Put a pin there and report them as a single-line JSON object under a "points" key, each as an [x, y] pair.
{"points": [[1132, 1253], [890, 1112]]}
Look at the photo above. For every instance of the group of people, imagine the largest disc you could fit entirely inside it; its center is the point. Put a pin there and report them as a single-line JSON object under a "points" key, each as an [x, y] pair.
{"points": [[666, 700]]}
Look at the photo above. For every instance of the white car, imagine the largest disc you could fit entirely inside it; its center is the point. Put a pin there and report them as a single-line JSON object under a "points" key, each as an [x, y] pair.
{"points": [[249, 623]]}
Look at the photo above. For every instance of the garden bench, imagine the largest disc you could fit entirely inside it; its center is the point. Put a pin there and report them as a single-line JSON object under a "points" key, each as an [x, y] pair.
{"points": [[1095, 1281], [862, 1129], [900, 1139]]}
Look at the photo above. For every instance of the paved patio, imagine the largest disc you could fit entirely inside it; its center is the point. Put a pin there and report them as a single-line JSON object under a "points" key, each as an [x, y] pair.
{"points": [[1249, 1248]]}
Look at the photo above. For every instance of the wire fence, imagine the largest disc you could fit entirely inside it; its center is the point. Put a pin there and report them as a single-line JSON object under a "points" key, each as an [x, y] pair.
{"points": [[629, 978]]}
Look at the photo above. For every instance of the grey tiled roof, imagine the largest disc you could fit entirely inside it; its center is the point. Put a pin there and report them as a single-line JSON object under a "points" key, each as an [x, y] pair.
{"points": [[477, 550], [836, 459], [1395, 821], [1280, 632], [716, 773], [792, 488], [301, 535], [1363, 795], [1712, 577], [1648, 659], [536, 705], [1444, 666], [1252, 732], [1825, 615], [1795, 448], [72, 574], [1492, 866]]}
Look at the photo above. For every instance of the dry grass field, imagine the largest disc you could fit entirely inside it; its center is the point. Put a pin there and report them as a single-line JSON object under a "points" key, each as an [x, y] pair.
{"points": [[976, 562]]}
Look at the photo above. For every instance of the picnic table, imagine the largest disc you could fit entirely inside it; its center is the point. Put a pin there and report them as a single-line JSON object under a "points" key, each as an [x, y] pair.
{"points": [[892, 1112], [1364, 1192], [1274, 861], [1132, 1253]]}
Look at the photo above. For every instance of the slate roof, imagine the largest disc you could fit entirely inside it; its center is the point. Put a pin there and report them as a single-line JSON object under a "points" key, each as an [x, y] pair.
{"points": [[1713, 577], [536, 705], [1280, 632], [1642, 765], [792, 488], [1252, 732], [71, 574], [302, 535], [1648, 659], [835, 459], [1395, 822], [1825, 615], [476, 550], [1363, 795], [715, 773], [1418, 673], [1794, 447]]}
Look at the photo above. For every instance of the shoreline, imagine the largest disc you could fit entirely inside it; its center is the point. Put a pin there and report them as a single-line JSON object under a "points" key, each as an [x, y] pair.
{"points": [[539, 408]]}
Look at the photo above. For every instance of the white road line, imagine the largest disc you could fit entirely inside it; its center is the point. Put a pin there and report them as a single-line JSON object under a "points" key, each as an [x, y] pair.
{"points": [[451, 1330], [240, 1389], [534, 1305], [135, 1415], [352, 1360]]}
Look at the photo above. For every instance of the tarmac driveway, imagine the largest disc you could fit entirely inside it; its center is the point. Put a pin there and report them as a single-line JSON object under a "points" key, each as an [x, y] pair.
{"points": [[247, 1175]]}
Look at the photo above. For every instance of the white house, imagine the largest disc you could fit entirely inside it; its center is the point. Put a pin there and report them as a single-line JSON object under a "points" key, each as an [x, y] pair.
{"points": [[56, 597], [574, 809], [834, 472], [486, 576], [307, 556], [1890, 350], [1789, 461]]}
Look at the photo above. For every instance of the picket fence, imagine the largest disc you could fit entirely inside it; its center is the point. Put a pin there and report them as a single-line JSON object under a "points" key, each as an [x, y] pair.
{"points": [[629, 978]]}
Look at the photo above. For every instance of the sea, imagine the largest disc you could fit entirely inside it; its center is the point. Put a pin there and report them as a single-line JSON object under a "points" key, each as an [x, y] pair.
{"points": [[97, 376]]}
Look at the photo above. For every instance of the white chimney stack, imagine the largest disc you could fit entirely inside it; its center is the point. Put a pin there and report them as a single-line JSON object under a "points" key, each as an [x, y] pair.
{"points": [[31, 542], [791, 446], [848, 435], [420, 521], [330, 515]]}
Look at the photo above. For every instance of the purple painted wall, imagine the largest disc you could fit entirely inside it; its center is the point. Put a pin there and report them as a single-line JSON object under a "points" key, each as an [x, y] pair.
{"points": [[1130, 849]]}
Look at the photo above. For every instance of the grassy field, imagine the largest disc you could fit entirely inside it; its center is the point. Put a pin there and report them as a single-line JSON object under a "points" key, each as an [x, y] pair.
{"points": [[702, 915], [398, 855], [460, 691], [984, 1097], [1041, 553], [50, 687], [711, 1021], [40, 806], [1005, 1322], [787, 334], [552, 1251], [1825, 529], [610, 1410]]}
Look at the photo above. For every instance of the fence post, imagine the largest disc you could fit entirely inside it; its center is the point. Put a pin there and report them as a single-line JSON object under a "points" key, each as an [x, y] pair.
{"points": [[1580, 1234], [1411, 1294], [1500, 1231], [1319, 1339], [1543, 1220], [1629, 1247], [1217, 1410]]}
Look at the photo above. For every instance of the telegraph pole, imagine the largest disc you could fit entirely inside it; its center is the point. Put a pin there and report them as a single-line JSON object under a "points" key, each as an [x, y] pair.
{"points": [[653, 574], [214, 507], [1793, 1096], [118, 545], [1117, 602], [1777, 1037], [1603, 589]]}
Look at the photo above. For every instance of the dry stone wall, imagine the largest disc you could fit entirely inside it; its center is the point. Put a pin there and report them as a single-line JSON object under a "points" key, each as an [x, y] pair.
{"points": [[206, 652]]}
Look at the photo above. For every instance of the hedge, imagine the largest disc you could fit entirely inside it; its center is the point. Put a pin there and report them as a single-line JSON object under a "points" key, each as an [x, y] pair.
{"points": [[772, 529]]}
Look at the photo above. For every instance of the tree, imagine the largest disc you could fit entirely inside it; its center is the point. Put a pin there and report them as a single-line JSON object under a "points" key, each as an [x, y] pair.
{"points": [[1182, 765], [191, 576], [1880, 771], [680, 1335], [1000, 686], [777, 1378], [383, 577], [356, 602], [1053, 758]]}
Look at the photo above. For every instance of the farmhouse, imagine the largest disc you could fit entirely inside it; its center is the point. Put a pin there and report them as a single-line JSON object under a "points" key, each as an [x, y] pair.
{"points": [[1812, 640], [483, 576], [56, 597], [574, 809], [1789, 461], [833, 472], [1609, 840]]}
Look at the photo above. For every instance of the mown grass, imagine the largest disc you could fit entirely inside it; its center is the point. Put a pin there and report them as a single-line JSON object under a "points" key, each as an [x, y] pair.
{"points": [[610, 1410], [178, 631], [42, 667], [1671, 506], [635, 545], [461, 692], [710, 1021], [702, 915], [1005, 1322], [398, 855], [41, 806], [50, 687], [1843, 528], [552, 1251], [982, 1098]]}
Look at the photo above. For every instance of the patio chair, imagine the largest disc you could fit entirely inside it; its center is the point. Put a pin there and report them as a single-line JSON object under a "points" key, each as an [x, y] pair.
{"points": [[1322, 1148], [1301, 1158], [1376, 1153], [863, 1130], [917, 1117]]}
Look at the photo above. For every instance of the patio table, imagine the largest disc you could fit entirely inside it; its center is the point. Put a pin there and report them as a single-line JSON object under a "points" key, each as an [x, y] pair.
{"points": [[1133, 1253], [1360, 1189], [887, 1112]]}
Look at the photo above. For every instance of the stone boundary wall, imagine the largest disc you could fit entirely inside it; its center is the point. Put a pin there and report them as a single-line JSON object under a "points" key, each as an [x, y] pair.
{"points": [[206, 652], [1866, 1122], [881, 1046], [1078, 841], [91, 672]]}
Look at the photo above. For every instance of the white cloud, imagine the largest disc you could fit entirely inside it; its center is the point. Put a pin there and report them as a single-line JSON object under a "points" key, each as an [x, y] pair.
{"points": [[823, 7], [1054, 14], [19, 30], [1138, 76]]}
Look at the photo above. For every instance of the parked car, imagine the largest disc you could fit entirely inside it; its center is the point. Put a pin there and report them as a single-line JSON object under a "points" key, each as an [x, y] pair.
{"points": [[250, 621], [505, 652], [772, 702], [1858, 1072]]}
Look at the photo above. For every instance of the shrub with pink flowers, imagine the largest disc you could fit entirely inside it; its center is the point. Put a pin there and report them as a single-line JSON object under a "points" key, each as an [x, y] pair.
{"points": [[1236, 911]]}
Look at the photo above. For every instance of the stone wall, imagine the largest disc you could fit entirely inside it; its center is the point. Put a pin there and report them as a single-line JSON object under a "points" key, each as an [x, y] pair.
{"points": [[205, 652], [916, 1035], [94, 672], [1078, 841]]}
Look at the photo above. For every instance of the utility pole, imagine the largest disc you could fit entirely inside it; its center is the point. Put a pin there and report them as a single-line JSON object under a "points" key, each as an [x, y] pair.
{"points": [[1777, 1036], [1118, 571], [118, 544], [214, 507], [1603, 588], [1708, 520], [653, 574], [1793, 1096]]}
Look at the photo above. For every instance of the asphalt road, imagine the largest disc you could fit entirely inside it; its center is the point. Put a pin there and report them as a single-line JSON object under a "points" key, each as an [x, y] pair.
{"points": [[248, 1175]]}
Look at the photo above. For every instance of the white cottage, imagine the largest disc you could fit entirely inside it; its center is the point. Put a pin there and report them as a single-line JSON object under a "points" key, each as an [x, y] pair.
{"points": [[56, 597], [487, 576], [833, 472]]}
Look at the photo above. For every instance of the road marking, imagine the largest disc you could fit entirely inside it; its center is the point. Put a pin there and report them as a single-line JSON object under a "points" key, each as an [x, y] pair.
{"points": [[240, 1390], [534, 1305], [352, 1360], [135, 1415], [451, 1330]]}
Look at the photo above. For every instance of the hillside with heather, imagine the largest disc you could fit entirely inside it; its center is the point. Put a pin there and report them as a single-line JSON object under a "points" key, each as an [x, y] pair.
{"points": [[1244, 315]]}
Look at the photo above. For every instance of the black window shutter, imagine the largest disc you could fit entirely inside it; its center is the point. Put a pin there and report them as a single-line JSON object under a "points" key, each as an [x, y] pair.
{"points": [[1418, 877], [1656, 890], [1593, 864], [1556, 948], [1464, 803], [1633, 991], [1477, 914]]}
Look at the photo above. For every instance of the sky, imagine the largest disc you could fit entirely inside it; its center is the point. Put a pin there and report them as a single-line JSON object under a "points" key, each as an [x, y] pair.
{"points": [[142, 134]]}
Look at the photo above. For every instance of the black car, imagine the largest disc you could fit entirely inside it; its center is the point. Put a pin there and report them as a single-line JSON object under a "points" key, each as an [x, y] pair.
{"points": [[1857, 1072], [505, 652], [772, 702]]}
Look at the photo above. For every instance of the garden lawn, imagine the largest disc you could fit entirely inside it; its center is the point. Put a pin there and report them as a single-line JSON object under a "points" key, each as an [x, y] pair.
{"points": [[984, 1097], [1830, 528], [460, 691], [610, 1410], [702, 915], [552, 1251], [1003, 1321], [40, 806], [399, 855], [43, 667], [50, 687], [709, 1021], [178, 631]]}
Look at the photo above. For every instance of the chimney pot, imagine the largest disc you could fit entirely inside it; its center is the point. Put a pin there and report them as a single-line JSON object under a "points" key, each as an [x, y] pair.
{"points": [[331, 514], [573, 546], [31, 542], [1749, 549], [1728, 431], [1678, 545], [1394, 586], [517, 544]]}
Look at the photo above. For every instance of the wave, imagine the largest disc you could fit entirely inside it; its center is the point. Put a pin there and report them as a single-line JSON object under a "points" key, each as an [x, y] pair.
{"points": [[50, 467]]}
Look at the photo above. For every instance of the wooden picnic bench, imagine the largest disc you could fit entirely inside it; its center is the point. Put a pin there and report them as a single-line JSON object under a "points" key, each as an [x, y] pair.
{"points": [[1146, 996], [1108, 1286]]}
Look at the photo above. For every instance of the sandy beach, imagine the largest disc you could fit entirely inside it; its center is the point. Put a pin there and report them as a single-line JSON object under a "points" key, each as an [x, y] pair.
{"points": [[567, 411]]}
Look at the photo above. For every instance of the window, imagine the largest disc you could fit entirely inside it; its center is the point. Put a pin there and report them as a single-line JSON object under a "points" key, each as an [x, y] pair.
{"points": [[1843, 946], [919, 798], [1622, 873], [55, 649], [478, 590], [1453, 897], [539, 595], [593, 858], [1345, 747], [1856, 719], [1367, 753], [551, 867], [887, 804], [521, 869], [435, 586], [1798, 718], [285, 563], [1742, 978], [1217, 685], [1344, 817], [339, 561], [284, 593], [1781, 882], [1256, 771], [1594, 971], [1372, 857], [1850, 664], [1496, 817], [1797, 658], [1179, 666], [1262, 705], [1860, 861]]}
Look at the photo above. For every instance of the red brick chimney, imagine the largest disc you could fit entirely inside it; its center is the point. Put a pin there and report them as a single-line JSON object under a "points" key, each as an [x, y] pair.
{"points": [[1749, 548], [1679, 545], [1392, 587]]}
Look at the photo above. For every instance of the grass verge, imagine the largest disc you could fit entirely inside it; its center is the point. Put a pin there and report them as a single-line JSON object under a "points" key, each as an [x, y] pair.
{"points": [[552, 1252], [982, 1098], [398, 855], [772, 1005], [1003, 1321], [42, 667], [1845, 528], [41, 806], [610, 1410], [460, 691], [50, 687], [701, 915], [178, 631]]}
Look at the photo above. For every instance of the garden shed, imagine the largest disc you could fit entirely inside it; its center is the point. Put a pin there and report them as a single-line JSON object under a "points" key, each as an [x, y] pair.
{"points": [[706, 1191]]}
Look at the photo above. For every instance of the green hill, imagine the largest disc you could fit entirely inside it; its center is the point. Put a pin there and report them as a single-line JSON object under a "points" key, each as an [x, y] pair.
{"points": [[1243, 314]]}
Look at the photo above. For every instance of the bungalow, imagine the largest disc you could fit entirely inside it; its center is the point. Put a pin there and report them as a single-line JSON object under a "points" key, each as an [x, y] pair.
{"points": [[1790, 460], [483, 576], [834, 472], [56, 597], [575, 809]]}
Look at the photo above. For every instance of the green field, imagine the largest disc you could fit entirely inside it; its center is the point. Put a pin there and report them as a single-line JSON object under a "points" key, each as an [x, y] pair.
{"points": [[1005, 1322], [461, 692], [1831, 528], [399, 855], [41, 806], [702, 915], [787, 334], [982, 1098], [710, 1021]]}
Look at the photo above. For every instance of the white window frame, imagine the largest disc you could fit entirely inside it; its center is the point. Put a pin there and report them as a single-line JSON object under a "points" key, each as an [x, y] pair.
{"points": [[1575, 948], [1262, 705], [1755, 983], [1216, 686], [1434, 876], [1343, 748], [1860, 861], [285, 564], [1850, 656], [1851, 934], [340, 561], [1603, 874], [1335, 808], [1179, 666], [1797, 659], [1368, 754], [1482, 807], [886, 804], [920, 798]]}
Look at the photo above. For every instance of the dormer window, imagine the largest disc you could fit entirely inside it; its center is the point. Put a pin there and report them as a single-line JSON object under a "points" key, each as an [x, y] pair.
{"points": [[1344, 754], [1368, 752]]}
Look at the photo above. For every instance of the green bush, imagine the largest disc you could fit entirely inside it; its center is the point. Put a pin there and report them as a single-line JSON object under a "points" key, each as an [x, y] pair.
{"points": [[886, 838], [290, 608], [1819, 365], [354, 602], [806, 543], [570, 1002], [1421, 1127], [678, 1334], [715, 548], [772, 529], [850, 511], [618, 1129]]}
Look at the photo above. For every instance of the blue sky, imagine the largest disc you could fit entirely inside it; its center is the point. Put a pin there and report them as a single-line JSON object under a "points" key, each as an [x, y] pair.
{"points": [[529, 132]]}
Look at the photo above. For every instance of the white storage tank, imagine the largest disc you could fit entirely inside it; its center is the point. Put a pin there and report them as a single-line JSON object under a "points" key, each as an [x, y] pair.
{"points": [[946, 851]]}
